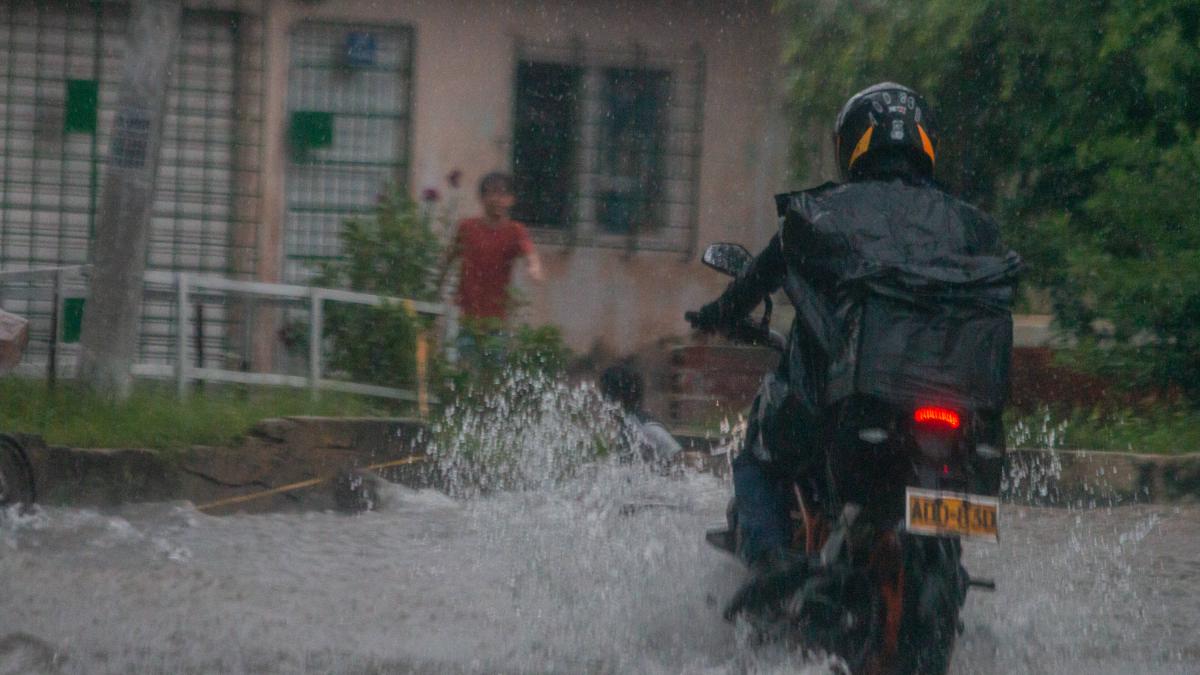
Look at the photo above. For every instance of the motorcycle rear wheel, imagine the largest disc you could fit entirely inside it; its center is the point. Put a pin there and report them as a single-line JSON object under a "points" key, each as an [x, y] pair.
{"points": [[934, 592], [931, 592]]}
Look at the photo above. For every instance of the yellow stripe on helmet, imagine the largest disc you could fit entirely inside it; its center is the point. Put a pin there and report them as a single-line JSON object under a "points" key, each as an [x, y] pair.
{"points": [[863, 143]]}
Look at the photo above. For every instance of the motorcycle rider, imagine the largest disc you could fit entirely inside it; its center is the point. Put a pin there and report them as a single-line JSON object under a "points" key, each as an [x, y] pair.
{"points": [[623, 386], [887, 219]]}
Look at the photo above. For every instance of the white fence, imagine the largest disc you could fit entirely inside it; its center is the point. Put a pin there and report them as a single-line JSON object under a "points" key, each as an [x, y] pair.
{"points": [[185, 289]]}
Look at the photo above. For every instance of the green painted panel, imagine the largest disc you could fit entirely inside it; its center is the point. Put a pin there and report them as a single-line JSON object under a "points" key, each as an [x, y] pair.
{"points": [[72, 325], [82, 96], [310, 129]]}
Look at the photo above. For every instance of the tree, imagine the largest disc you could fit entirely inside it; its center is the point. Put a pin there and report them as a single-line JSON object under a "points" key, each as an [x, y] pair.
{"points": [[113, 310], [1077, 123]]}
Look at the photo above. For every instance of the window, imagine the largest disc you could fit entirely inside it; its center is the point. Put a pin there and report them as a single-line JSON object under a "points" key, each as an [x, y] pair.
{"points": [[544, 142], [349, 102], [606, 146], [633, 134], [61, 81]]}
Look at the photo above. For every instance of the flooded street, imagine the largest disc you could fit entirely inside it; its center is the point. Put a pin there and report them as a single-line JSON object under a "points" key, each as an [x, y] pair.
{"points": [[545, 255], [605, 574]]}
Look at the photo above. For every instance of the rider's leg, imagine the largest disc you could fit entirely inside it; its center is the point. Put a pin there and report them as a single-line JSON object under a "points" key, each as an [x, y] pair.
{"points": [[763, 503], [761, 489]]}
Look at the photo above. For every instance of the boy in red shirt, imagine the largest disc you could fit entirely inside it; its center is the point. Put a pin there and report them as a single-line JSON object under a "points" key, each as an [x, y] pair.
{"points": [[488, 246]]}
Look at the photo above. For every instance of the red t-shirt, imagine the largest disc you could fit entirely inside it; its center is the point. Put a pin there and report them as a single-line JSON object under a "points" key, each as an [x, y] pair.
{"points": [[488, 252]]}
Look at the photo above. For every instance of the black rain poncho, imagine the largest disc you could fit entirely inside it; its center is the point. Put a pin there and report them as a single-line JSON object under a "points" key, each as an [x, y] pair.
{"points": [[902, 292]]}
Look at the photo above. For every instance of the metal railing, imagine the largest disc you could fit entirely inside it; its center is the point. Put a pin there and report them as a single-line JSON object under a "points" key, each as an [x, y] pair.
{"points": [[186, 290], [24, 285]]}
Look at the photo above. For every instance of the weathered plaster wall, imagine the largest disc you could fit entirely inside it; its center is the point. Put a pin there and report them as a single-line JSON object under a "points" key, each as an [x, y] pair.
{"points": [[463, 81]]}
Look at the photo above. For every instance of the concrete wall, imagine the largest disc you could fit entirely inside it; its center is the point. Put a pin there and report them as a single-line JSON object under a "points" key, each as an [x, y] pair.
{"points": [[463, 98]]}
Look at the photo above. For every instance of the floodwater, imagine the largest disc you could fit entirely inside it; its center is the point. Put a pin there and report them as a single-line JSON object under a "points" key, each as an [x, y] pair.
{"points": [[563, 564], [607, 574]]}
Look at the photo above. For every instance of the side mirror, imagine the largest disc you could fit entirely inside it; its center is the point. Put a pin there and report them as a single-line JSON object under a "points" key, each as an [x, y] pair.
{"points": [[727, 258]]}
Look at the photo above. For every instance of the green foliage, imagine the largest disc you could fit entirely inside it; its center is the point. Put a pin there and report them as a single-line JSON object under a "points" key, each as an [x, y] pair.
{"points": [[153, 417], [1077, 123], [390, 252], [1167, 431], [394, 252], [539, 349], [490, 354]]}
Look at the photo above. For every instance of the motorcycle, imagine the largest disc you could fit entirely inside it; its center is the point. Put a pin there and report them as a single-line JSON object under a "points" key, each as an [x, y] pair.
{"points": [[875, 576]]}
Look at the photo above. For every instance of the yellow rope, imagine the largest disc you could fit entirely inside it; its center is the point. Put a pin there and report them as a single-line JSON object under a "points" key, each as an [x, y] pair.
{"points": [[412, 459]]}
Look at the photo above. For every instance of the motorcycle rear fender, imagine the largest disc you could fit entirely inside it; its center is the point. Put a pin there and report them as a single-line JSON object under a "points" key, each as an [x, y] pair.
{"points": [[967, 459]]}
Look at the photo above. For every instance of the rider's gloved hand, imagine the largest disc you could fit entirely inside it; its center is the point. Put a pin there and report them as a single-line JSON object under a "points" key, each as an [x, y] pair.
{"points": [[708, 319]]}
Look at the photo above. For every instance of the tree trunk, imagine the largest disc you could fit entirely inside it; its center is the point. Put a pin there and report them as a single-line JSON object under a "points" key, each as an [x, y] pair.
{"points": [[112, 313]]}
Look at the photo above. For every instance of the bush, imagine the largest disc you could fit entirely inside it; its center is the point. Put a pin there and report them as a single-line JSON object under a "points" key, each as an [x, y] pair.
{"points": [[533, 351], [393, 251], [1165, 430]]}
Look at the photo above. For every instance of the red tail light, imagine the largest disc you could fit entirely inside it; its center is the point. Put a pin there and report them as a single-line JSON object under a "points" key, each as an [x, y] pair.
{"points": [[930, 415]]}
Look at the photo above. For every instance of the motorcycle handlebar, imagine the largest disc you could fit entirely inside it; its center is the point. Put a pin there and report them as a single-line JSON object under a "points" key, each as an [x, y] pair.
{"points": [[748, 332]]}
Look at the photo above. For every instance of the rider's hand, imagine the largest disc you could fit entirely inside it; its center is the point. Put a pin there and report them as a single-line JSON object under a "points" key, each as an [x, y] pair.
{"points": [[707, 319]]}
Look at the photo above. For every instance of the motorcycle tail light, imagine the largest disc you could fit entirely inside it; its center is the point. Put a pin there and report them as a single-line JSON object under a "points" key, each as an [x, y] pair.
{"points": [[936, 416]]}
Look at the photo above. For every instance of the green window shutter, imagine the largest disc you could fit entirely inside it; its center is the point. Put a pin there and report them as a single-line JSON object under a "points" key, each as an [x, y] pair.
{"points": [[310, 130], [72, 324], [82, 96]]}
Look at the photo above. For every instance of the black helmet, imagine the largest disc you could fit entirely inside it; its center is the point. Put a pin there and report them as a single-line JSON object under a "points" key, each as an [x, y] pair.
{"points": [[885, 116]]}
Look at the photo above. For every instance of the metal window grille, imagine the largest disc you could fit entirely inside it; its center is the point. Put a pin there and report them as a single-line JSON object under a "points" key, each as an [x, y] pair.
{"points": [[349, 95], [545, 135], [626, 126], [630, 184], [60, 67]]}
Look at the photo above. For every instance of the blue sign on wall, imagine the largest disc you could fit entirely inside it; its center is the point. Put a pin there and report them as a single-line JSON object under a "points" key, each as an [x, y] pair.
{"points": [[360, 49]]}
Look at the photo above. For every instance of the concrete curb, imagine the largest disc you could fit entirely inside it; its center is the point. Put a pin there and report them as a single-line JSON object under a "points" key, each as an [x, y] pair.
{"points": [[276, 452], [101, 476], [1091, 478], [282, 451]]}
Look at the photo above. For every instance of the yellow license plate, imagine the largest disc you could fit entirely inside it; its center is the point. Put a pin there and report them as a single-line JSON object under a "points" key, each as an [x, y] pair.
{"points": [[949, 513]]}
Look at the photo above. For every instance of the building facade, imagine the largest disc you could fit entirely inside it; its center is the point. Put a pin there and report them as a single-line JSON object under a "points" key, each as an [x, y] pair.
{"points": [[637, 132]]}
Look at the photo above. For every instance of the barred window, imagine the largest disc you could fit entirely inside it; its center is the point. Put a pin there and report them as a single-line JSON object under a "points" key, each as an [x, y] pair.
{"points": [[606, 145], [59, 104], [547, 127], [349, 103]]}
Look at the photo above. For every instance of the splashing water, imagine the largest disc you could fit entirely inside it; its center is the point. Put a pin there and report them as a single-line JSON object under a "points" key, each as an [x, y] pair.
{"points": [[1049, 434], [528, 433], [1028, 480], [552, 557]]}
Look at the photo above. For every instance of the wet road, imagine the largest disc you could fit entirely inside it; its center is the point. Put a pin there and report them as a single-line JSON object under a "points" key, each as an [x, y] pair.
{"points": [[553, 580]]}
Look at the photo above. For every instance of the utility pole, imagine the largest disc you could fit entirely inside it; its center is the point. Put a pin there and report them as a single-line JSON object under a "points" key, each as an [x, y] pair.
{"points": [[113, 309]]}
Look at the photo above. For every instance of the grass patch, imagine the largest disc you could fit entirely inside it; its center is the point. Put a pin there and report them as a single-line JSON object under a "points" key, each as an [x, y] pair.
{"points": [[154, 418], [1169, 431]]}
